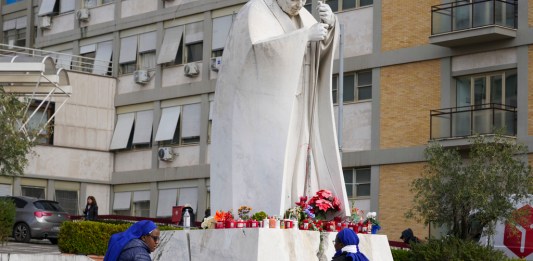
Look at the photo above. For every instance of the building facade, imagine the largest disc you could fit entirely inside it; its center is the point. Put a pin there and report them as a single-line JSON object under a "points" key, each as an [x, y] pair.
{"points": [[136, 134]]}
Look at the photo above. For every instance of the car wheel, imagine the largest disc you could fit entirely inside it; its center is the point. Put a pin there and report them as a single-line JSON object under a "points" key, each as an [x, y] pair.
{"points": [[53, 241], [22, 233]]}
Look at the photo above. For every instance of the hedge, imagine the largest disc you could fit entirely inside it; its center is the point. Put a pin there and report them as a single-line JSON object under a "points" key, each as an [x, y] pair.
{"points": [[90, 237], [7, 219]]}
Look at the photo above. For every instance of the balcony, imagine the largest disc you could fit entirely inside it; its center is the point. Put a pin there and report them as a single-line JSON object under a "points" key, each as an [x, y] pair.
{"points": [[464, 23], [462, 122]]}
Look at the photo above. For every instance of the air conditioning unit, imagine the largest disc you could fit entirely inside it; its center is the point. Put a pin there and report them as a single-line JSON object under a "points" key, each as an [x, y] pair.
{"points": [[83, 14], [46, 22], [216, 62], [191, 70], [165, 154], [141, 76]]}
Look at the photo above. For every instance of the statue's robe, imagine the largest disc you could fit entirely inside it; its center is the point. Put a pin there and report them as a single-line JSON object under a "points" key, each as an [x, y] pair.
{"points": [[273, 99]]}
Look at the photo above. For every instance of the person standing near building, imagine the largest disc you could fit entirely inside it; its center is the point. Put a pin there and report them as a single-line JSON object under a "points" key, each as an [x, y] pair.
{"points": [[91, 209]]}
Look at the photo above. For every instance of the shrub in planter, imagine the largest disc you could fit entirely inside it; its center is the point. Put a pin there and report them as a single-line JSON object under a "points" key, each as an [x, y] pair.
{"points": [[90, 237], [451, 248], [7, 219]]}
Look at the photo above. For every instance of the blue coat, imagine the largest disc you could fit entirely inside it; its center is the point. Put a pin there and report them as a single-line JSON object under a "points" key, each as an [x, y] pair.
{"points": [[135, 250]]}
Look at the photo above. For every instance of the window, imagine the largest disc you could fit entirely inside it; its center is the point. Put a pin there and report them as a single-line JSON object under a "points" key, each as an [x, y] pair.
{"points": [[68, 200], [166, 200], [348, 4], [8, 2], [221, 28], [357, 182], [128, 135], [122, 203], [137, 52], [5, 190], [95, 3], [497, 87], [38, 121], [15, 31], [179, 125], [141, 203], [54, 7], [357, 87], [182, 44], [36, 192], [96, 58]]}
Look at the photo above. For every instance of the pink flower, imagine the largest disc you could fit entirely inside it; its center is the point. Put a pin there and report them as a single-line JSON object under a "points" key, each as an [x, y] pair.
{"points": [[323, 204], [324, 193]]}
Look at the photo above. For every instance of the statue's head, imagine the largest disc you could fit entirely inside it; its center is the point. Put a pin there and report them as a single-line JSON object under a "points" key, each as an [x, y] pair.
{"points": [[291, 7]]}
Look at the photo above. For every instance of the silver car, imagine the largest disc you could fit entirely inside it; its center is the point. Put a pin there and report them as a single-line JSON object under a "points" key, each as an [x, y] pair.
{"points": [[37, 218]]}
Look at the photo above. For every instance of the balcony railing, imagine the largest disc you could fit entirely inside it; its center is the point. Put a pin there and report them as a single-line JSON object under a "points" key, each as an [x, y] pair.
{"points": [[462, 122], [462, 15]]}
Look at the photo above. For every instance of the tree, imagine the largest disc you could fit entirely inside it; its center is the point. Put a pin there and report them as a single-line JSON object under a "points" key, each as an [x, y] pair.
{"points": [[473, 188], [14, 144]]}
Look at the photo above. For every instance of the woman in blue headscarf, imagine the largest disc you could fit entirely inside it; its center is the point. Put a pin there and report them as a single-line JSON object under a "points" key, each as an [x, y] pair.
{"points": [[136, 243], [347, 247]]}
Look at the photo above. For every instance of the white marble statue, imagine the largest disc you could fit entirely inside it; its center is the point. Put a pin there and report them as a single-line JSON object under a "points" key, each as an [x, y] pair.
{"points": [[274, 138]]}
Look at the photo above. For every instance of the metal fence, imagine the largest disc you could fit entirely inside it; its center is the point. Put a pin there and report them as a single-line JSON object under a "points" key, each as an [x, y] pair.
{"points": [[460, 122], [62, 60], [462, 15]]}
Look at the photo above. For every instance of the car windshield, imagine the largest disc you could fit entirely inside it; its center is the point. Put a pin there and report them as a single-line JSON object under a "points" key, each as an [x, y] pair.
{"points": [[48, 205]]}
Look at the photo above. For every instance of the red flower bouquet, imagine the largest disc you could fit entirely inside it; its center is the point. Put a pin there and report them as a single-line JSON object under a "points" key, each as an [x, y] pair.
{"points": [[323, 203]]}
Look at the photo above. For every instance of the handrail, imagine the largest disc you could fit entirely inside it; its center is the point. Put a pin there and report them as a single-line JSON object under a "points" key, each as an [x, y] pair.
{"points": [[447, 17], [77, 63]]}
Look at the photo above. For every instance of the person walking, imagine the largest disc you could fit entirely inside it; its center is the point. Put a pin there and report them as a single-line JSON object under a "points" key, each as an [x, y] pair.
{"points": [[91, 209], [134, 244]]}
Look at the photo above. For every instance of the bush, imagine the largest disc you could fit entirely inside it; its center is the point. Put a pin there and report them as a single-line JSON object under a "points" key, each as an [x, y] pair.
{"points": [[451, 248], [90, 237], [401, 255], [7, 219]]}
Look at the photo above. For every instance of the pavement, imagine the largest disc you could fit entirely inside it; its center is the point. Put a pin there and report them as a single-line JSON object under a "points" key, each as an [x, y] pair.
{"points": [[33, 247]]}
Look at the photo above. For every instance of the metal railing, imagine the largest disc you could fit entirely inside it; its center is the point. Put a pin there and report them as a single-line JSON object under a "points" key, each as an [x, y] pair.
{"points": [[63, 60], [463, 15], [461, 122]]}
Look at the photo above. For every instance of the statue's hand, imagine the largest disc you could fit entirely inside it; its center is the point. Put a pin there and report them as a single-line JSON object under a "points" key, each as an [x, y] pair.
{"points": [[326, 14], [318, 32]]}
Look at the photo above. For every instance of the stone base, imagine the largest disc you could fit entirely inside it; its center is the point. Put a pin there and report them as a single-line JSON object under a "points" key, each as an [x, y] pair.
{"points": [[260, 244]]}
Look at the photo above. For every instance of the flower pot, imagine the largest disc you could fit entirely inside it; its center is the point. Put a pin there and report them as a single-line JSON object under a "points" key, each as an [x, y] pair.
{"points": [[375, 229], [329, 226], [230, 224], [219, 225], [288, 224], [253, 224], [304, 225], [240, 224]]}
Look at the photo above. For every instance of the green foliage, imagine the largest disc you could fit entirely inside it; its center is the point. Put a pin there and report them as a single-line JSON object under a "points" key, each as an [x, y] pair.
{"points": [[7, 219], [259, 216], [451, 248], [471, 189], [90, 237], [401, 255], [15, 144]]}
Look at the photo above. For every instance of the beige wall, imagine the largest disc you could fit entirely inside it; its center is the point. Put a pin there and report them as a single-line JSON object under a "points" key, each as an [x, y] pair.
{"points": [[174, 76], [406, 23], [133, 160], [395, 199], [530, 13], [135, 7], [61, 23], [358, 31], [101, 194], [356, 126], [100, 14], [408, 93], [87, 119], [186, 156], [126, 84], [67, 163]]}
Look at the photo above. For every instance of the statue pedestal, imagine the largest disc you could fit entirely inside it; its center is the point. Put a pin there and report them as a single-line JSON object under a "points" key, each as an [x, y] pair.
{"points": [[260, 244]]}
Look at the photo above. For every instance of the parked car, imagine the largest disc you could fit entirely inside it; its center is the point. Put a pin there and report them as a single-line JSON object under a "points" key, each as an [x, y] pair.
{"points": [[37, 218]]}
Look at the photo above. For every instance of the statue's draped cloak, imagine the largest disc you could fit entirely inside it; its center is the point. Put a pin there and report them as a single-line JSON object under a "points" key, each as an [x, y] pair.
{"points": [[264, 117]]}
